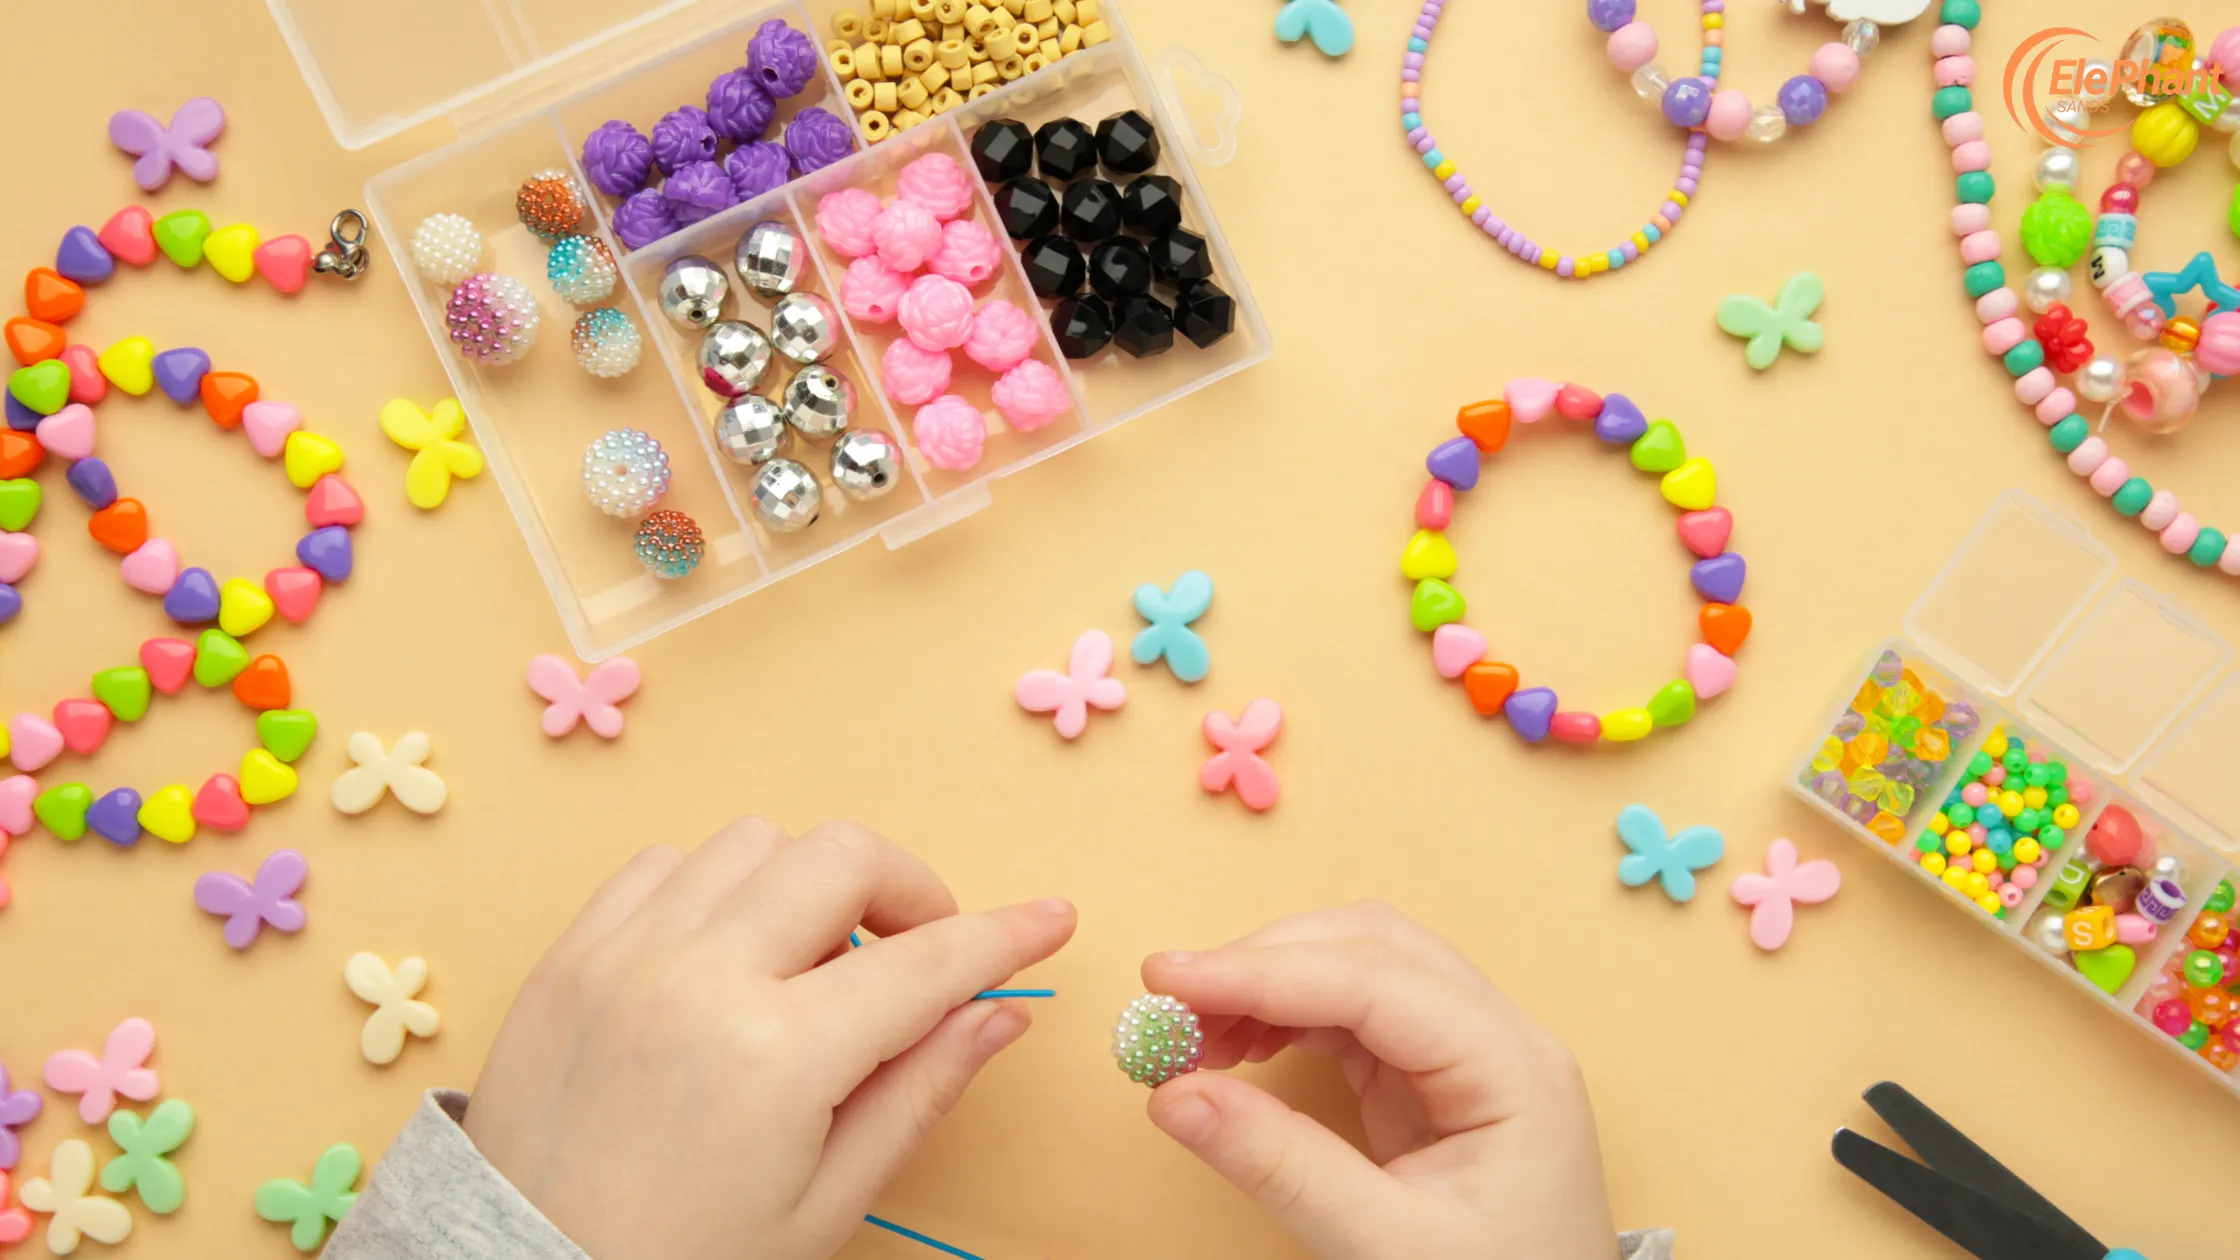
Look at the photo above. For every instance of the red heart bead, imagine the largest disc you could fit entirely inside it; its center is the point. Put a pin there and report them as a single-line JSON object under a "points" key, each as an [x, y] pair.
{"points": [[219, 804], [332, 501], [169, 662]]}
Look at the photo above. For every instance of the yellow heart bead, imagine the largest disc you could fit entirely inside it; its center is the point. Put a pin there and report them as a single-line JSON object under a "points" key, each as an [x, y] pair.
{"points": [[231, 251], [130, 365], [1691, 487], [1428, 555], [169, 814], [1626, 725], [309, 457], [243, 607], [265, 778]]}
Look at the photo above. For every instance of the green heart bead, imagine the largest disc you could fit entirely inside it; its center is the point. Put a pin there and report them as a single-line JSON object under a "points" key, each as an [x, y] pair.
{"points": [[285, 733], [125, 691], [1435, 604], [219, 658], [1660, 450], [1673, 704], [62, 808], [43, 387], [2107, 968], [181, 233], [19, 502]]}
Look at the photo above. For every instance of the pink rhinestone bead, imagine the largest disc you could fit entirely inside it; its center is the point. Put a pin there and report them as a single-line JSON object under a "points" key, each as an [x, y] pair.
{"points": [[1950, 41], [2089, 455], [1975, 155], [1836, 66], [2178, 535], [2057, 406], [2162, 511], [1980, 247], [2032, 386], [1970, 217], [1632, 46], [2000, 303], [2110, 476], [1956, 71], [2004, 336], [1961, 128]]}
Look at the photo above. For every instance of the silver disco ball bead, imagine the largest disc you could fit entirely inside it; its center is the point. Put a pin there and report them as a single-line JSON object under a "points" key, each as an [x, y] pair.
{"points": [[770, 258], [819, 401], [866, 463], [752, 431], [804, 327], [734, 355], [786, 496], [693, 291]]}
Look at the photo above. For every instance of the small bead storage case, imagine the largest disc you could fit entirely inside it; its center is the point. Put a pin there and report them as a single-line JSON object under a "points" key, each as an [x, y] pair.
{"points": [[524, 85], [2035, 746]]}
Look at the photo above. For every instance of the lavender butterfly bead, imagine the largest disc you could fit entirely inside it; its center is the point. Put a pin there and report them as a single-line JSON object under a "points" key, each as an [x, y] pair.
{"points": [[16, 1110], [184, 145], [250, 907]]}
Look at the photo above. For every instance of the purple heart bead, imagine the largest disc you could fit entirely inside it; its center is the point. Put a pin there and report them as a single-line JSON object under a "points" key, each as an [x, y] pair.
{"points": [[83, 258], [326, 550], [116, 816], [193, 599], [11, 603], [1454, 461], [1529, 712], [20, 418], [1719, 579], [180, 372], [93, 482], [1620, 422]]}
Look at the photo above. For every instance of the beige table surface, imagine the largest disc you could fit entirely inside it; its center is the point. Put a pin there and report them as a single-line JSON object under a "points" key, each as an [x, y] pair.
{"points": [[878, 687]]}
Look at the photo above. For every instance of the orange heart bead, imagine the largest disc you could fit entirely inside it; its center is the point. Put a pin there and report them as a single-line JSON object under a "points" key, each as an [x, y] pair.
{"points": [[20, 453], [34, 340], [121, 527], [1489, 685], [224, 394], [264, 685], [1486, 423], [1724, 626], [50, 297]]}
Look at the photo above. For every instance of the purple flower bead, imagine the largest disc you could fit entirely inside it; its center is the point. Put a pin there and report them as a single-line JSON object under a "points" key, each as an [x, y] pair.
{"points": [[1609, 15], [817, 138], [1802, 100], [781, 59], [758, 168], [643, 218], [1687, 102], [697, 190], [683, 136], [738, 108], [617, 158]]}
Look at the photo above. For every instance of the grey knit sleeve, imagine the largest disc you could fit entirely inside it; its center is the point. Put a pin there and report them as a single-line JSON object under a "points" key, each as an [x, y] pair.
{"points": [[434, 1197]]}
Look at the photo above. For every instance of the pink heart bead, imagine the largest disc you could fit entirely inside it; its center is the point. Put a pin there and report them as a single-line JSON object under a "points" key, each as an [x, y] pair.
{"points": [[1530, 399], [32, 741], [18, 552], [1456, 647], [87, 384], [152, 568], [294, 591], [84, 725], [130, 235], [332, 501], [1708, 670], [1706, 532], [16, 792], [169, 662], [267, 426], [284, 262], [68, 433]]}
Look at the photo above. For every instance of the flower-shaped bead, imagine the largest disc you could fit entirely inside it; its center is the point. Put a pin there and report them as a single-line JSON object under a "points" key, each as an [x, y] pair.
{"points": [[683, 137], [936, 182], [738, 109], [951, 433], [643, 218], [936, 312], [871, 292], [906, 233], [617, 159], [781, 59], [1030, 396], [844, 221], [758, 168], [2067, 339], [912, 374], [697, 190], [817, 138], [969, 253], [1002, 337]]}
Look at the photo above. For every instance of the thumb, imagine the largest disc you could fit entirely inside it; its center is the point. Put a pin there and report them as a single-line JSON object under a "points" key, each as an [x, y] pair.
{"points": [[1317, 1186]]}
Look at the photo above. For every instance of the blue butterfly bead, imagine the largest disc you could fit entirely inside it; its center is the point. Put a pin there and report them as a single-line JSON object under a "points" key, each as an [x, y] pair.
{"points": [[1169, 635], [1672, 862], [1323, 20]]}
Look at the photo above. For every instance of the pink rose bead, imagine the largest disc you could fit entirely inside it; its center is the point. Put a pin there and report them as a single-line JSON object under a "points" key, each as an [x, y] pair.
{"points": [[1030, 395], [2032, 386], [871, 290], [2229, 562], [1632, 46], [2089, 455], [2004, 336], [2056, 406], [1002, 337], [1956, 71], [2178, 535], [2110, 476], [1975, 155], [2161, 512], [913, 375], [1980, 247], [950, 432], [844, 221], [1960, 129], [906, 233], [936, 182], [1836, 66], [969, 253], [1950, 41], [1730, 114], [1970, 217], [1996, 305], [936, 312]]}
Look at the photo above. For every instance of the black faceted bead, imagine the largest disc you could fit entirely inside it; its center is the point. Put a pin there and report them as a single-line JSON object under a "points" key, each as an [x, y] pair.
{"points": [[1180, 257], [1120, 267], [1142, 326], [1127, 143], [1055, 267], [1028, 208], [1082, 325], [1152, 205], [1003, 150], [1091, 210], [1065, 149], [1203, 313]]}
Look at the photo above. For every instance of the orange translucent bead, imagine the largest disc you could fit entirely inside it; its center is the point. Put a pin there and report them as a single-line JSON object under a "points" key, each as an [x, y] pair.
{"points": [[2220, 1052], [1930, 743], [1889, 826], [2181, 334], [2213, 1007], [1868, 748], [1870, 695], [2210, 929]]}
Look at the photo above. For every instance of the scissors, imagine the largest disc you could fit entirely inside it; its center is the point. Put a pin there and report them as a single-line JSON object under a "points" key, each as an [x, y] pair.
{"points": [[1959, 1190]]}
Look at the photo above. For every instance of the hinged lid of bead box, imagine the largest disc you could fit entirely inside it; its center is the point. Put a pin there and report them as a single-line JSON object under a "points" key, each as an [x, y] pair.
{"points": [[803, 408]]}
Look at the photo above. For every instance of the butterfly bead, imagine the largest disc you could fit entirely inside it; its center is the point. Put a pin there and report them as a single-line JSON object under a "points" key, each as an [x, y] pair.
{"points": [[1067, 697], [1238, 764], [394, 771], [1773, 896], [1169, 635], [308, 1209], [184, 145], [17, 1109], [590, 700], [144, 1167], [73, 1211], [15, 1223], [1767, 328], [438, 454], [396, 1008], [1321, 20], [249, 906], [1672, 862], [121, 1069]]}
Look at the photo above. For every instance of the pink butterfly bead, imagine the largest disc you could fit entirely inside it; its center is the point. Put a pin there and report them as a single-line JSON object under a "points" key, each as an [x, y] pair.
{"points": [[1773, 895], [250, 906], [1239, 764], [183, 145], [121, 1069], [591, 700], [1067, 696]]}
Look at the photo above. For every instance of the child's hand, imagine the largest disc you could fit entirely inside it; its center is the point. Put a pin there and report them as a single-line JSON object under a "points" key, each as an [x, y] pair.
{"points": [[701, 1067], [1477, 1119]]}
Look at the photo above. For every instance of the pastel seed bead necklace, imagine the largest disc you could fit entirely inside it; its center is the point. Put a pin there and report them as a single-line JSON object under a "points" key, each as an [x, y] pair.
{"points": [[2006, 338], [1697, 103], [1515, 242], [1688, 483]]}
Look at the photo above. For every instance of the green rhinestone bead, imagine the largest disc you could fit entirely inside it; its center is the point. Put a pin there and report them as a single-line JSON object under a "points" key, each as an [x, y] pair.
{"points": [[1985, 277], [2207, 548], [2070, 434], [1950, 101], [2132, 497], [1961, 13], [2026, 356], [1975, 186]]}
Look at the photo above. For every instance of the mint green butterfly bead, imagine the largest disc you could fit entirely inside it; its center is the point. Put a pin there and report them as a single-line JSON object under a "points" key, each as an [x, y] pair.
{"points": [[145, 1143], [1169, 635], [1767, 328], [310, 1209], [1321, 20]]}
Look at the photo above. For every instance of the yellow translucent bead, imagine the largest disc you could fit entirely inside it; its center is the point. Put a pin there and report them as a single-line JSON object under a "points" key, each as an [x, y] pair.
{"points": [[1444, 170], [2034, 798], [1956, 876], [1989, 903], [1997, 744], [2065, 816], [2026, 851], [1939, 824], [1958, 843], [1984, 860], [1974, 884], [1933, 863], [1626, 725]]}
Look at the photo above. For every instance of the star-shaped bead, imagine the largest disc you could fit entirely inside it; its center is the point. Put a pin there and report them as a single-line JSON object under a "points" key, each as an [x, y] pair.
{"points": [[2201, 273]]}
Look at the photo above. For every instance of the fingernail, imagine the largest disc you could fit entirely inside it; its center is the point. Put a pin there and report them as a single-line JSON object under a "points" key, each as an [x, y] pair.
{"points": [[1054, 906], [1190, 1120], [1002, 1028], [1176, 958]]}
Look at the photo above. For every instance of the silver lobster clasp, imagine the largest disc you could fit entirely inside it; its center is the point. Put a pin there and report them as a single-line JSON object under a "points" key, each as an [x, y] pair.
{"points": [[345, 254]]}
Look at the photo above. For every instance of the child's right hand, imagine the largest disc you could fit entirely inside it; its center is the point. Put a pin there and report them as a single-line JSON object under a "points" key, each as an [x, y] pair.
{"points": [[1481, 1141]]}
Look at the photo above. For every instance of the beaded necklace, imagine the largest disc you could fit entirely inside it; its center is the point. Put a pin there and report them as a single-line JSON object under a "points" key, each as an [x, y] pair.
{"points": [[1699, 103]]}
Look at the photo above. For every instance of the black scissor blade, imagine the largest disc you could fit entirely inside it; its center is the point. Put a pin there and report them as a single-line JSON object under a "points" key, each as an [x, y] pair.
{"points": [[1951, 1152], [1986, 1228]]}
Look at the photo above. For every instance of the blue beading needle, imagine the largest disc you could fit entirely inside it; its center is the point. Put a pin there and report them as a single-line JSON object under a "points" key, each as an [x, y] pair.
{"points": [[1015, 993], [915, 1236]]}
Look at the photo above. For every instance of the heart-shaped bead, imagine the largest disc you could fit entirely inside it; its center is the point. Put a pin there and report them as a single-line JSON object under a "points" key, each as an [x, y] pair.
{"points": [[1455, 648], [129, 234], [83, 258], [193, 599], [1577, 402], [308, 457], [1659, 449], [218, 804], [1489, 684], [267, 426], [168, 814], [18, 552], [93, 483], [1529, 399], [20, 453], [33, 340], [285, 262], [225, 395], [48, 296], [1529, 712], [1624, 726], [32, 742], [169, 662], [180, 235], [1454, 461], [16, 793], [152, 568], [1485, 423], [61, 809], [68, 433], [232, 251], [264, 684], [1435, 506], [43, 387], [1435, 604], [326, 550], [1674, 703], [2108, 968], [1706, 532], [1724, 626], [265, 778], [180, 373], [1707, 670], [116, 816], [243, 607], [219, 658], [1691, 487], [1719, 579], [1619, 421], [87, 384], [294, 591], [286, 733], [130, 365], [125, 691], [333, 501], [122, 527], [84, 725], [1575, 726], [19, 503], [1427, 555]]}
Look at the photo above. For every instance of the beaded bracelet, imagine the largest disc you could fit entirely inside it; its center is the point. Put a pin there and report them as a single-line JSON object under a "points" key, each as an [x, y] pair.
{"points": [[1688, 483], [2006, 338], [1699, 103]]}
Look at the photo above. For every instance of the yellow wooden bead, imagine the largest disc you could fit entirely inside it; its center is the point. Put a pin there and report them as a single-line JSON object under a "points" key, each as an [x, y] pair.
{"points": [[876, 127], [1094, 33], [868, 64], [890, 61], [860, 94], [848, 26]]}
